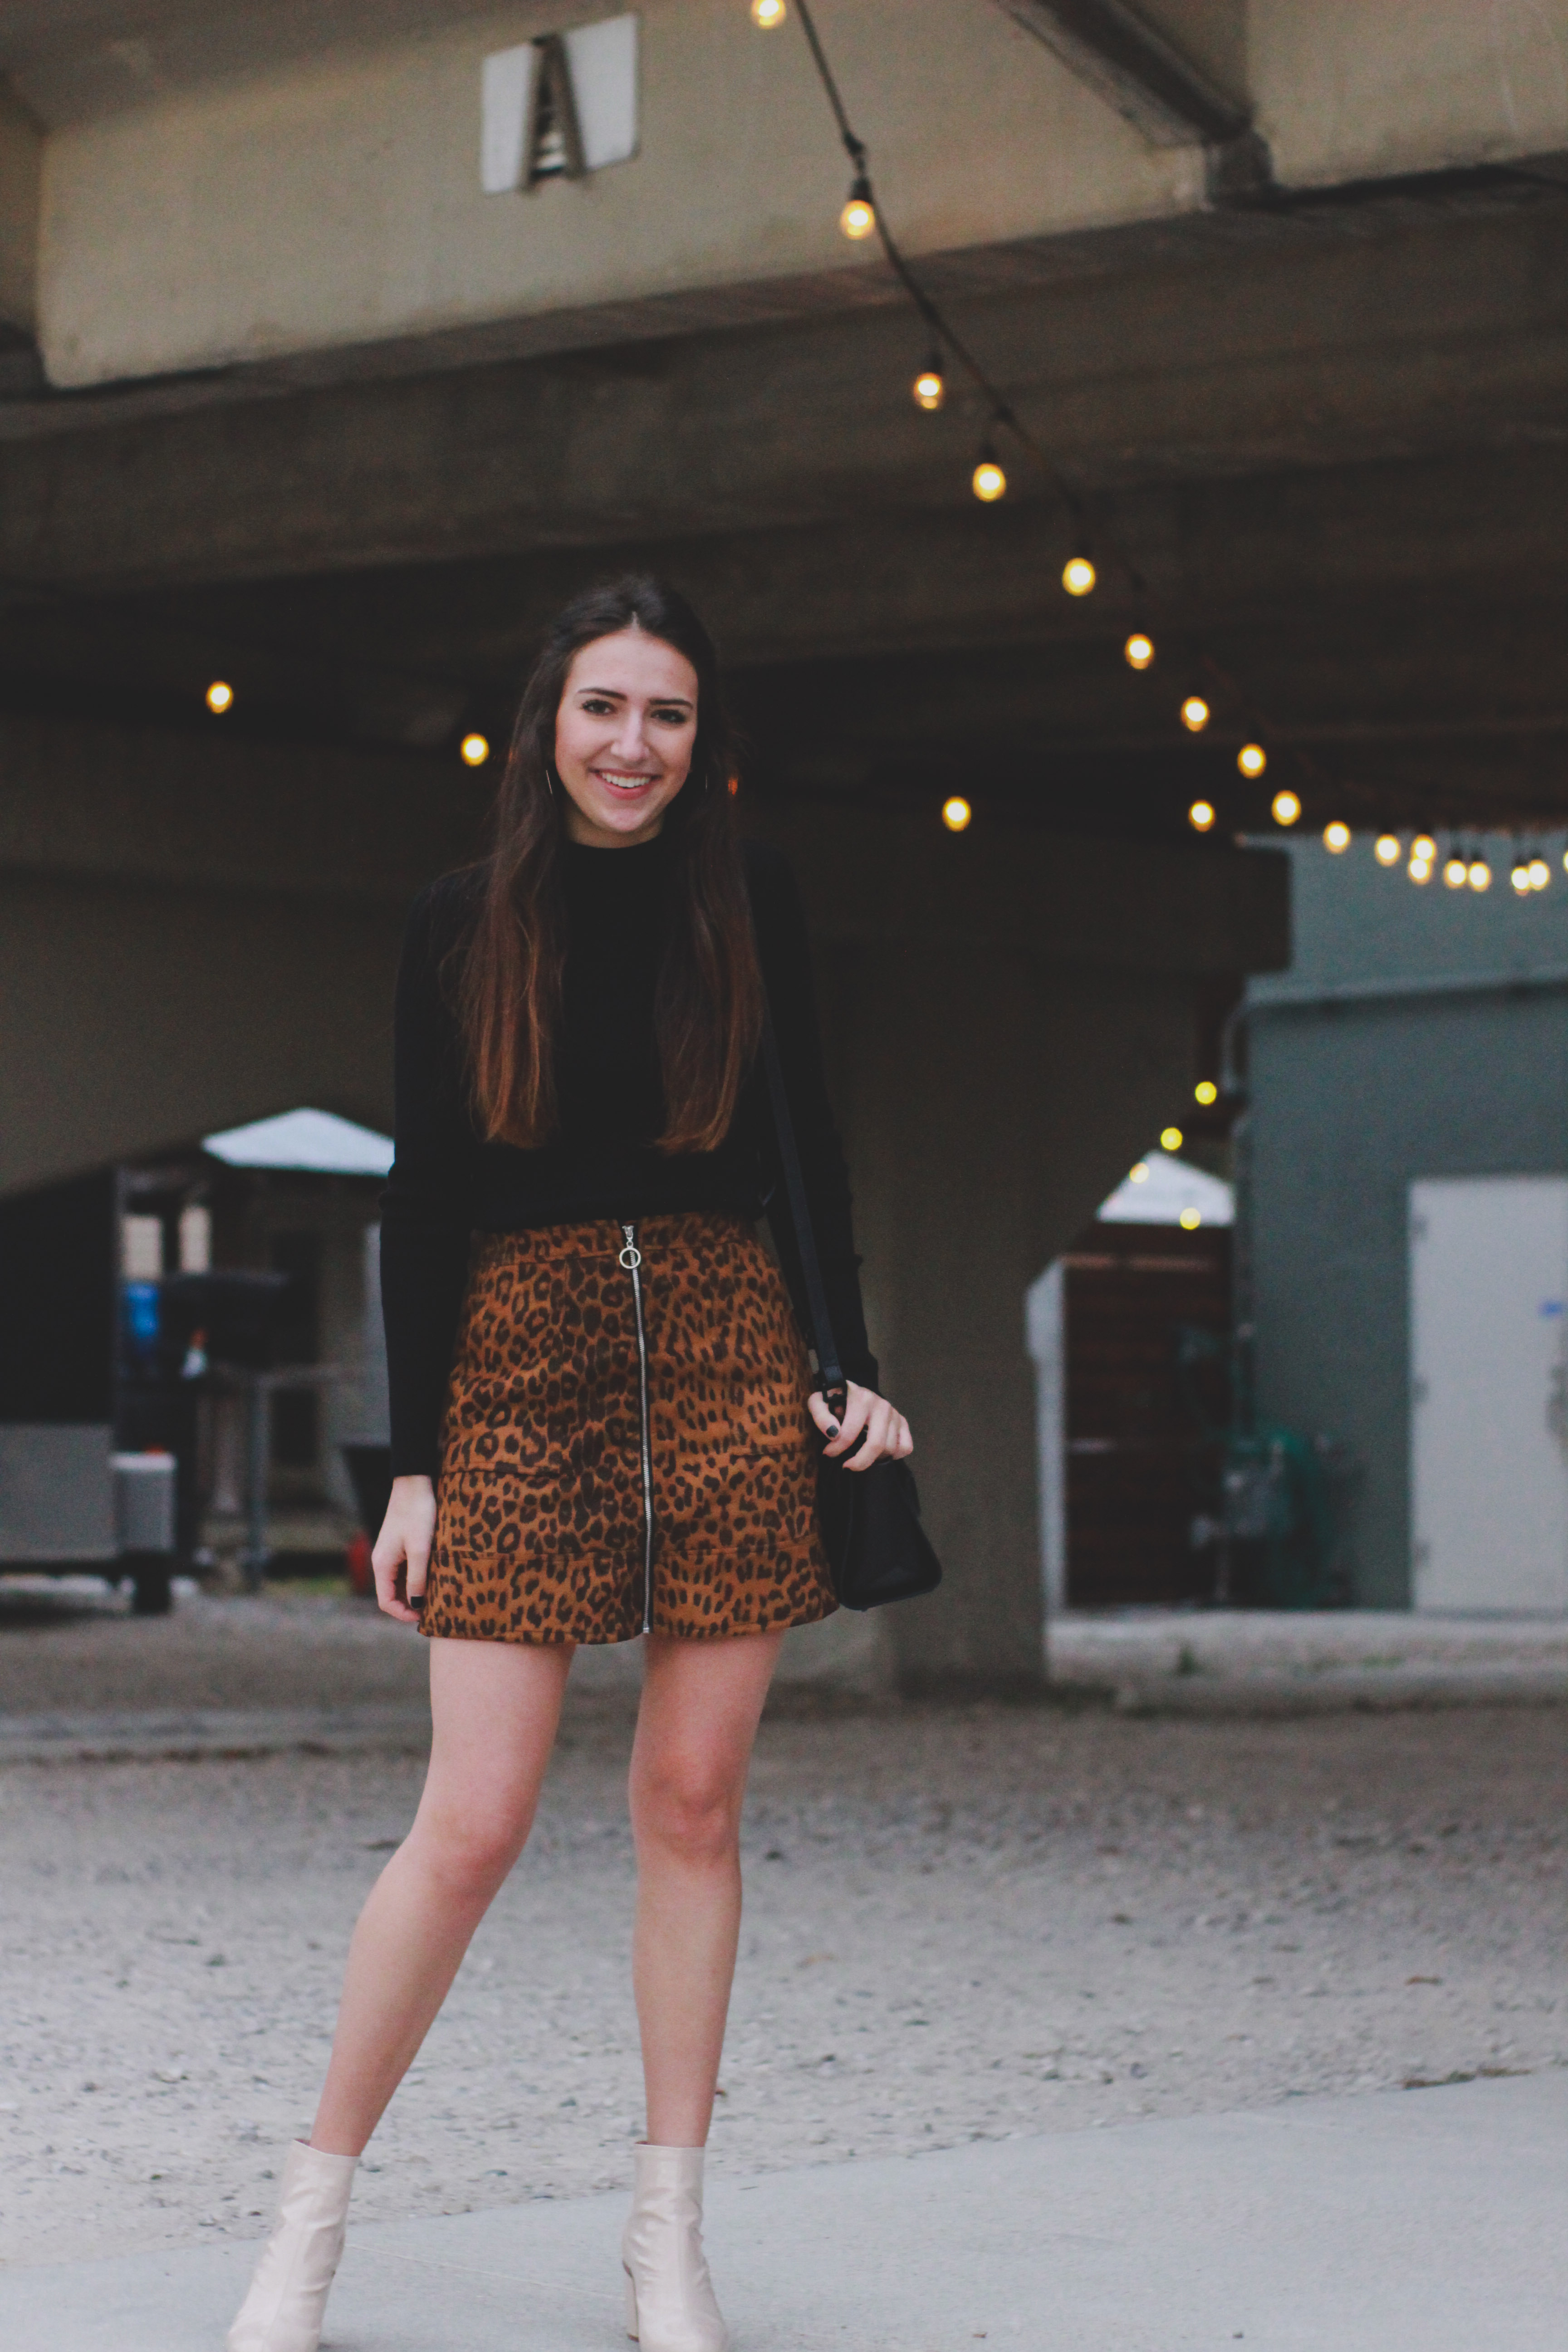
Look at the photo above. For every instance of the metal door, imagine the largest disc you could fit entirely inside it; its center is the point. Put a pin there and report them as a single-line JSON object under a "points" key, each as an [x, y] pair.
{"points": [[1488, 1288]]}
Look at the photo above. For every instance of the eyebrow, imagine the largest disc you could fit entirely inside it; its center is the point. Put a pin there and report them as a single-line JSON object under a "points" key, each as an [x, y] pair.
{"points": [[614, 694]]}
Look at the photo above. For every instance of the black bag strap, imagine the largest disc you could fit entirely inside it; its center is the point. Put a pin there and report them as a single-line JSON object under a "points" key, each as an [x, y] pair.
{"points": [[829, 1369]]}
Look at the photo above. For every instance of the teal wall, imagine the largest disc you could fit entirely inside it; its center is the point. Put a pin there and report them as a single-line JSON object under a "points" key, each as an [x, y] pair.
{"points": [[1352, 1097]]}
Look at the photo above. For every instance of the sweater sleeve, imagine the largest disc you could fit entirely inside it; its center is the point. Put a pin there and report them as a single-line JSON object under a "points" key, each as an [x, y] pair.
{"points": [[426, 1214], [786, 968]]}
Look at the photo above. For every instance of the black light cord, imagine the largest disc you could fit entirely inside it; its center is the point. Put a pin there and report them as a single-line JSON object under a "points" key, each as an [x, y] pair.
{"points": [[999, 409]]}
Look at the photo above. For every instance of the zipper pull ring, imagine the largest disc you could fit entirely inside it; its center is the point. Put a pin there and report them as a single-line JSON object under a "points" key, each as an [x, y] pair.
{"points": [[631, 1257]]}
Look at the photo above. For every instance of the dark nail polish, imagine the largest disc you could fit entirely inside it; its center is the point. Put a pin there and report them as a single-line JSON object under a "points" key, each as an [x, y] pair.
{"points": [[833, 1429]]}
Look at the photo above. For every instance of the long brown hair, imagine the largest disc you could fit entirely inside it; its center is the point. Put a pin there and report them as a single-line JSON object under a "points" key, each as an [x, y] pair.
{"points": [[708, 997]]}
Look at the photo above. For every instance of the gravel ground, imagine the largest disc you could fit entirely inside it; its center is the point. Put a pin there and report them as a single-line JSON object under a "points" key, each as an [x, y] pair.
{"points": [[73, 1645], [960, 1923]]}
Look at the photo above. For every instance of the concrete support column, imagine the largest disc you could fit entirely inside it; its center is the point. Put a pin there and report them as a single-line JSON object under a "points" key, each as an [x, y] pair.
{"points": [[1011, 1020], [996, 1101]]}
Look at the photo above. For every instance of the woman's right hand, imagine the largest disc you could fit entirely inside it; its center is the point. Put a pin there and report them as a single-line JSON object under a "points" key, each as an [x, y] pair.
{"points": [[401, 1559]]}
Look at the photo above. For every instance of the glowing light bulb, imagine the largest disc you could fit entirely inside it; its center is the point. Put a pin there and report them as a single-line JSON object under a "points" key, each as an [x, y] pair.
{"points": [[1252, 759], [1287, 808], [1520, 877], [989, 480], [1337, 838], [956, 813], [859, 217], [1077, 575], [1195, 714], [1205, 1092], [734, 786], [1386, 849], [1190, 1220], [1170, 1139], [1139, 1175], [220, 696], [766, 14], [1456, 874], [929, 389], [1425, 848], [1480, 874], [474, 750], [1200, 816], [1419, 869], [1139, 650], [1539, 874]]}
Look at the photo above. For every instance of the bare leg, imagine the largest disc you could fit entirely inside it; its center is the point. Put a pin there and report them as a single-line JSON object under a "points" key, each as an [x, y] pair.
{"points": [[701, 1705], [494, 1710]]}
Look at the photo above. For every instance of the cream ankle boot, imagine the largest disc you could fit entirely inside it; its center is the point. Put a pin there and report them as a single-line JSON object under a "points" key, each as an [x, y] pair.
{"points": [[283, 2310], [670, 2295]]}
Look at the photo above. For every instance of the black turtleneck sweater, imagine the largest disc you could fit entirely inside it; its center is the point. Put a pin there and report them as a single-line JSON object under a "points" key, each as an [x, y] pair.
{"points": [[446, 1183]]}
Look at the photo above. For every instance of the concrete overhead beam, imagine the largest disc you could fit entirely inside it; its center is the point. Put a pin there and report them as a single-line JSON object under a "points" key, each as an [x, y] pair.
{"points": [[244, 819], [1312, 573], [208, 814], [1300, 356]]}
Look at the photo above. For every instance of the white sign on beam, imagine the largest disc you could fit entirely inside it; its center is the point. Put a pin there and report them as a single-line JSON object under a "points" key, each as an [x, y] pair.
{"points": [[602, 59], [507, 84]]}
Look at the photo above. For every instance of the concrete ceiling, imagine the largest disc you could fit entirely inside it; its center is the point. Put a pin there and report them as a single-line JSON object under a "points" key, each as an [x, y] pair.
{"points": [[73, 60]]}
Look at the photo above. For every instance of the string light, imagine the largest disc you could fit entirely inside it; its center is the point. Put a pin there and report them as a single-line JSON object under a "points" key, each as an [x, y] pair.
{"points": [[1456, 873], [1337, 838], [1425, 848], [988, 481], [1205, 1092], [1539, 873], [956, 813], [1480, 874], [1386, 849], [1287, 808], [859, 217], [929, 389], [1520, 876], [1420, 868], [474, 750], [1170, 1139], [1190, 1220], [220, 697]]}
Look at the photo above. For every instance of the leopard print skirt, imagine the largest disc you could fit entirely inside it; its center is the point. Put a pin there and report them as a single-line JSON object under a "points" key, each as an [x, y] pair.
{"points": [[564, 1512]]}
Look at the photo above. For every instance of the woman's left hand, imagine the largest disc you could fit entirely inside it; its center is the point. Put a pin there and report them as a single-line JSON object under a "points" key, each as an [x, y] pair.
{"points": [[887, 1432]]}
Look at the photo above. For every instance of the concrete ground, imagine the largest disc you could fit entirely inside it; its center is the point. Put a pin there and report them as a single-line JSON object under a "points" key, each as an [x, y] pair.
{"points": [[1129, 1983], [963, 1923], [1391, 2223], [1257, 1661]]}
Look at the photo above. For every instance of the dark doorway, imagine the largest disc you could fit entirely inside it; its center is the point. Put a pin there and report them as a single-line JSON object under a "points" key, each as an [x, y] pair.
{"points": [[1142, 1417]]}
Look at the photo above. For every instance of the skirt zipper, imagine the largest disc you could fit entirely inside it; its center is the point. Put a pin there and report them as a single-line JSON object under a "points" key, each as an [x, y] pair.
{"points": [[631, 1258]]}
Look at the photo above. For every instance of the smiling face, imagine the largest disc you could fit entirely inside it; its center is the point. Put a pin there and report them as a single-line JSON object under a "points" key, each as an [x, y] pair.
{"points": [[625, 734]]}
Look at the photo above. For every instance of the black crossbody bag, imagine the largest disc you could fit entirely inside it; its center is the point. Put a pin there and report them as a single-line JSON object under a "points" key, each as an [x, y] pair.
{"points": [[870, 1519]]}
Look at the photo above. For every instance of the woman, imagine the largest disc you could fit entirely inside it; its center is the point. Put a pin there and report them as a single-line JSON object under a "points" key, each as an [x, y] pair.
{"points": [[601, 1405]]}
